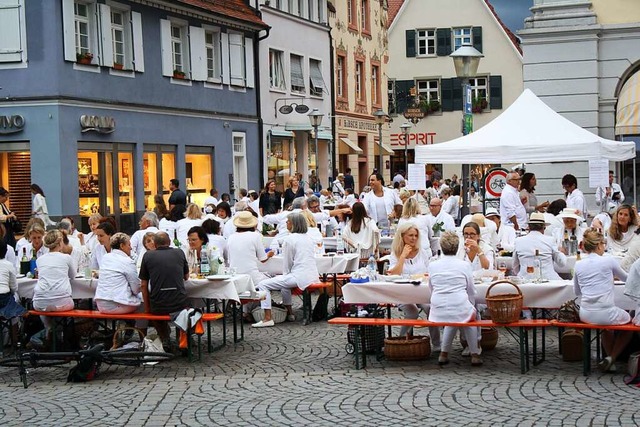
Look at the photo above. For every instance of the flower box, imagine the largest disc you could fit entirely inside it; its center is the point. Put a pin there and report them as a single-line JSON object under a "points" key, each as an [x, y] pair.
{"points": [[177, 74], [117, 66], [84, 58]]}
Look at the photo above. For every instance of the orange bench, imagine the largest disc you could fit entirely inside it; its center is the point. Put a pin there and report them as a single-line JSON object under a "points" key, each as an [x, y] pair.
{"points": [[522, 337], [307, 308]]}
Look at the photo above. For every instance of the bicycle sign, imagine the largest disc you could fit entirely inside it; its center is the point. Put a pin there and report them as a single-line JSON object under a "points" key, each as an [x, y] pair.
{"points": [[494, 181]]}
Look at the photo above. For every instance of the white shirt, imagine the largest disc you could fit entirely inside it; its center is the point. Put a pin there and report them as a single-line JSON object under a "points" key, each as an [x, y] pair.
{"points": [[137, 239], [452, 292], [246, 250], [8, 282], [475, 264], [55, 270], [337, 188], [390, 199], [299, 259], [96, 257], [118, 280], [452, 206], [416, 265], [594, 275], [366, 240], [605, 202], [510, 205], [183, 227], [576, 201], [210, 201], [506, 238], [548, 254], [91, 241]]}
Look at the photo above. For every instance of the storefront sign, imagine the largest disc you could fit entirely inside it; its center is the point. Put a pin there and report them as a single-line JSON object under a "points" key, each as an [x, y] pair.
{"points": [[421, 138], [11, 124], [100, 124], [356, 124]]}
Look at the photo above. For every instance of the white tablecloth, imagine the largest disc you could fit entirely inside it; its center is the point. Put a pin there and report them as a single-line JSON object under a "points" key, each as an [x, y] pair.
{"points": [[536, 295], [196, 288], [571, 262], [326, 264]]}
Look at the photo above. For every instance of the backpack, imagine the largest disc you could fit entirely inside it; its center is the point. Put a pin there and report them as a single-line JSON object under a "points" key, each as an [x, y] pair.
{"points": [[87, 367], [320, 311]]}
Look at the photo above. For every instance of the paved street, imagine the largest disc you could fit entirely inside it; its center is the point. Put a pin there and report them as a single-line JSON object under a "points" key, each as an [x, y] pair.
{"points": [[295, 375]]}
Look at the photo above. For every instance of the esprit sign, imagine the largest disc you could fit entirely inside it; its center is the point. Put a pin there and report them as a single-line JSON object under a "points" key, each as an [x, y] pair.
{"points": [[100, 124], [11, 124], [421, 138]]}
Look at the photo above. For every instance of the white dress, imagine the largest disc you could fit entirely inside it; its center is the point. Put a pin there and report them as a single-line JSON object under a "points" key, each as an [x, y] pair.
{"points": [[452, 290], [40, 209]]}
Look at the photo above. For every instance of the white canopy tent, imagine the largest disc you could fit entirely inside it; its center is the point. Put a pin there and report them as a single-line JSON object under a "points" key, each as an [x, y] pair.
{"points": [[529, 131]]}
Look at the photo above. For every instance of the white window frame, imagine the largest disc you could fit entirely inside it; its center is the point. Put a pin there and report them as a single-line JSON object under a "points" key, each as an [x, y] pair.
{"points": [[365, 23], [179, 39], [340, 76], [359, 77], [167, 46], [460, 36], [277, 78], [428, 89], [214, 74], [316, 80], [119, 30], [478, 89], [297, 82], [13, 39], [424, 36], [375, 85], [239, 159]]}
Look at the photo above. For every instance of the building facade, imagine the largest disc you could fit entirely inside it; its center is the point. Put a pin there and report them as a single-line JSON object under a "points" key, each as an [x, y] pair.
{"points": [[582, 58], [296, 79], [360, 50], [422, 35], [104, 102]]}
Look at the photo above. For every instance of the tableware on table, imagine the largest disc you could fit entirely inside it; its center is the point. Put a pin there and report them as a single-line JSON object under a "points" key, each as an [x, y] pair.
{"points": [[407, 280], [219, 277], [502, 266], [232, 271], [20, 276]]}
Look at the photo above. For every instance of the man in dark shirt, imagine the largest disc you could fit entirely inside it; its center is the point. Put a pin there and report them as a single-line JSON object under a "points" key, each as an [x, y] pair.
{"points": [[178, 197], [167, 269], [348, 180]]}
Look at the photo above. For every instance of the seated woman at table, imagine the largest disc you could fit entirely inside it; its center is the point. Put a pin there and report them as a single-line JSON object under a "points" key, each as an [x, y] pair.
{"points": [[55, 271], [197, 239], [299, 268], [571, 225], [475, 250], [524, 252], [622, 232], [505, 235], [9, 307], [223, 212], [91, 240], [361, 232], [118, 290], [593, 283], [35, 245], [104, 231], [216, 240], [192, 218], [148, 244], [453, 297], [408, 256], [312, 229], [411, 214], [552, 217]]}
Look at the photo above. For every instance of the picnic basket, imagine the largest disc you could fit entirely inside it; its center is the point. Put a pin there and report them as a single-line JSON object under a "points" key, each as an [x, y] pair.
{"points": [[407, 348], [504, 308]]}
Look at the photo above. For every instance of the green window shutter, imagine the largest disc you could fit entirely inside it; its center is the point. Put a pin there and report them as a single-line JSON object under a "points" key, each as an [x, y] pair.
{"points": [[443, 39], [446, 93], [495, 92], [456, 84], [403, 95], [411, 43], [477, 38]]}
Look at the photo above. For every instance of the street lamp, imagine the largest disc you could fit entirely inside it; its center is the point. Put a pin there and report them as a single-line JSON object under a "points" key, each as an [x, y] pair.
{"points": [[405, 130], [315, 117], [381, 118], [466, 60]]}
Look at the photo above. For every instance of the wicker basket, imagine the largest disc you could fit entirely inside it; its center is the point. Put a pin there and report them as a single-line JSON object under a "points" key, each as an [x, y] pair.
{"points": [[504, 308], [407, 348], [489, 339], [278, 314]]}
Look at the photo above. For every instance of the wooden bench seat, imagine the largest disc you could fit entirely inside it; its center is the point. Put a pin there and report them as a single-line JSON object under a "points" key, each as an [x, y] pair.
{"points": [[307, 308]]}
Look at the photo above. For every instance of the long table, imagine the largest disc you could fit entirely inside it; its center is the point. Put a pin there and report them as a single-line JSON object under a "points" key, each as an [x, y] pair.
{"points": [[566, 270], [326, 264]]}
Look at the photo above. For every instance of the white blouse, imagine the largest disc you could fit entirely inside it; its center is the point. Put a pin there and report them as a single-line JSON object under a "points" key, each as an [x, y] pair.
{"points": [[416, 265], [118, 280], [55, 270], [299, 259], [245, 251]]}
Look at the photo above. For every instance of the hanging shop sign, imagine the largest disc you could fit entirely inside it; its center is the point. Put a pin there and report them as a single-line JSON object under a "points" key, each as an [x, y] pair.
{"points": [[11, 124], [100, 124]]}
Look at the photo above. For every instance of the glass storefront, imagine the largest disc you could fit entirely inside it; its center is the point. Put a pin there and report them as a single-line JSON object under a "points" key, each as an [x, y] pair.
{"points": [[199, 165], [125, 182], [279, 166], [156, 174]]}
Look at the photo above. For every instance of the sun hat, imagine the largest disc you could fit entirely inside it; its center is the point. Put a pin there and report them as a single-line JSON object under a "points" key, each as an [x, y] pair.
{"points": [[491, 212], [570, 213], [245, 219], [537, 218]]}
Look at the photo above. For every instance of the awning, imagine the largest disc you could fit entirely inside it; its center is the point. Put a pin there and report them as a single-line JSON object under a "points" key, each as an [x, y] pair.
{"points": [[281, 133], [298, 126], [325, 135], [348, 147], [388, 149], [628, 109]]}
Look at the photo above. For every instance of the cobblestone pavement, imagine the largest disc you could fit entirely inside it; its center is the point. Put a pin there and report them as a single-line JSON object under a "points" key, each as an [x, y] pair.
{"points": [[293, 375]]}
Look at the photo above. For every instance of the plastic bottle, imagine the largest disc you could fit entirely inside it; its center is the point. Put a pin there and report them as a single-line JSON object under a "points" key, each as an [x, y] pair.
{"points": [[339, 244], [573, 243], [32, 263], [205, 266], [372, 267], [275, 246]]}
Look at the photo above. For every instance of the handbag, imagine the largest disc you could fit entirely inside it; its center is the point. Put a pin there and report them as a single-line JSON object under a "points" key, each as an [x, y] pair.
{"points": [[633, 370], [569, 312]]}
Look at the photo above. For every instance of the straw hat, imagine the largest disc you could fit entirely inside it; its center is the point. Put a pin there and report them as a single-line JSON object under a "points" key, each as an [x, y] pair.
{"points": [[537, 218], [491, 212], [569, 213], [245, 219]]}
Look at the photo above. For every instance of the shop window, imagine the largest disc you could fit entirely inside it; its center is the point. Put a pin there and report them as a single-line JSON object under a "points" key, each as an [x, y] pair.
{"points": [[280, 156], [13, 37], [125, 182], [150, 179], [199, 174], [95, 183]]}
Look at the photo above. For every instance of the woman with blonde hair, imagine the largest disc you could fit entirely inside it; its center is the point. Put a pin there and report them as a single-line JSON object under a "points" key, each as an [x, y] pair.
{"points": [[593, 284], [623, 229], [118, 290], [192, 218], [312, 228], [91, 240], [411, 213], [294, 189]]}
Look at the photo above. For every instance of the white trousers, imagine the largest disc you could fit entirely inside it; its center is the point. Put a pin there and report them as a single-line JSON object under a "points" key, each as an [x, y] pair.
{"points": [[283, 283], [411, 312], [470, 333]]}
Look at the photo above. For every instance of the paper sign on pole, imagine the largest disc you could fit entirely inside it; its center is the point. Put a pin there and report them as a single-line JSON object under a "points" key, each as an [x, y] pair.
{"points": [[417, 177], [598, 173]]}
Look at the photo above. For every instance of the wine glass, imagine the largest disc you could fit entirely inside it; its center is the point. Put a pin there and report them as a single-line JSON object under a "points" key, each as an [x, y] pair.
{"points": [[502, 266]]}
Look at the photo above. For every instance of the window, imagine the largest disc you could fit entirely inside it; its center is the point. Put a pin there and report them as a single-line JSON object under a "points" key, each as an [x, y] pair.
{"points": [[322, 6], [428, 90], [212, 48], [118, 36], [352, 20], [364, 16], [297, 75], [82, 24], [316, 82], [341, 76], [360, 95], [391, 97], [178, 35], [375, 85], [237, 58], [461, 36], [12, 31], [479, 88], [426, 41], [276, 69], [239, 160]]}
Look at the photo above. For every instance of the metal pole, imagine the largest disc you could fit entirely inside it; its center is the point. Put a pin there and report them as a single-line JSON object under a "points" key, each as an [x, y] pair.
{"points": [[406, 159], [380, 148], [467, 127], [315, 131]]}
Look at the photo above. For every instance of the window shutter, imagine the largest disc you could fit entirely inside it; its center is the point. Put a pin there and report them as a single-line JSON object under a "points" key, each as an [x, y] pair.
{"points": [[315, 76], [69, 34], [446, 93], [456, 89], [224, 43], [477, 38], [297, 75], [106, 41], [403, 95], [411, 43], [248, 63], [495, 92], [136, 33], [443, 40], [165, 43], [236, 59], [10, 42], [198, 54]]}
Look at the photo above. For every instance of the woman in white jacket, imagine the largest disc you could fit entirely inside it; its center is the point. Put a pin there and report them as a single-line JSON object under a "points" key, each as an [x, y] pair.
{"points": [[361, 232], [40, 205]]}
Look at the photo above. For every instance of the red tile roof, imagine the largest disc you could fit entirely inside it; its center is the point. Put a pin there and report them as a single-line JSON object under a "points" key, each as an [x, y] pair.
{"points": [[395, 5], [236, 9]]}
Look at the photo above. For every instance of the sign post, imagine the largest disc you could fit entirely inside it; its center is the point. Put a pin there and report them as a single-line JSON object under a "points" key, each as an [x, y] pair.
{"points": [[493, 182]]}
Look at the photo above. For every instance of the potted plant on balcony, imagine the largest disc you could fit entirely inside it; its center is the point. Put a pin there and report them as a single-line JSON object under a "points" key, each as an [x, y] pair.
{"points": [[84, 58], [434, 105], [118, 66], [177, 74], [479, 104]]}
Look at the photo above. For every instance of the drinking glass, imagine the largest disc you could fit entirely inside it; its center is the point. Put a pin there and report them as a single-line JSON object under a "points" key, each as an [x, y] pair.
{"points": [[502, 266], [233, 271]]}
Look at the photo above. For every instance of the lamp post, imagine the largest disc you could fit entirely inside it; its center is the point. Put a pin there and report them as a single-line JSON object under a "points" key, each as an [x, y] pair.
{"points": [[381, 118], [466, 60], [315, 117], [405, 130]]}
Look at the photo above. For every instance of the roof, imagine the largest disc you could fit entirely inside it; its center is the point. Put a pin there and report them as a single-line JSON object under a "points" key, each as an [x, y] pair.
{"points": [[395, 5], [236, 9]]}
